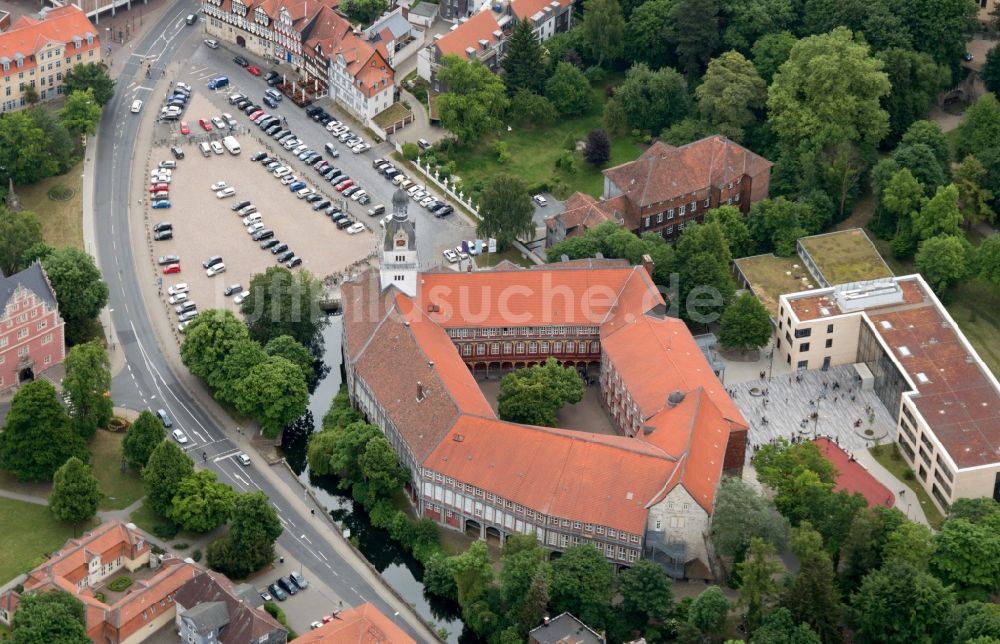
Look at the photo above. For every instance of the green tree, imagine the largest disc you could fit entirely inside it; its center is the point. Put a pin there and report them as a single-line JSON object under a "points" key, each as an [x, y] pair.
{"points": [[19, 232], [939, 215], [929, 133], [381, 470], [292, 350], [254, 527], [812, 596], [598, 150], [939, 27], [919, 159], [694, 31], [81, 113], [742, 515], [273, 393], [864, 547], [775, 225], [80, 291], [708, 611], [535, 395], [476, 99], [24, 155], [734, 227], [348, 450], [899, 605], [141, 438], [652, 100], [780, 627], [208, 341], [569, 90], [242, 356], [980, 129], [910, 543], [506, 210], [201, 503], [285, 303], [770, 52], [747, 23], [706, 284], [320, 452], [730, 93], [365, 11], [916, 81], [535, 603], [581, 584], [60, 145], [473, 573], [604, 29], [90, 76], [745, 324], [758, 588], [528, 108], [967, 556], [37, 438], [53, 616], [686, 131], [168, 465], [991, 71], [903, 196], [973, 196], [987, 260], [523, 60], [88, 384], [973, 620], [646, 593], [75, 494], [828, 91], [646, 34]]}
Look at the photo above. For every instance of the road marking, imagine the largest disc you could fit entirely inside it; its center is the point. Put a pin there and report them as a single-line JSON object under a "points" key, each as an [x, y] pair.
{"points": [[225, 455], [241, 479], [305, 538], [322, 555]]}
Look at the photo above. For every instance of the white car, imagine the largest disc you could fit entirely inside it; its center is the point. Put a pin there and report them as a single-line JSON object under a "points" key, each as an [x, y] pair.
{"points": [[299, 149], [303, 193], [179, 436], [243, 459], [332, 125], [160, 178], [182, 327], [219, 123], [212, 271], [219, 185], [288, 179], [361, 147], [418, 195], [254, 227], [161, 172], [282, 171], [216, 147], [355, 228], [180, 287], [183, 86], [241, 297], [461, 253], [177, 299], [450, 255], [226, 193], [136, 106], [212, 44], [357, 195], [428, 200], [228, 118], [540, 200], [251, 219]]}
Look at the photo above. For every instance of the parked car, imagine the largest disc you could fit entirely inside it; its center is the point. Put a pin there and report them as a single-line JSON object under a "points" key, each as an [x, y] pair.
{"points": [[241, 61], [270, 102], [299, 580], [211, 261], [211, 44], [263, 233], [225, 193], [540, 200], [188, 316], [164, 418], [278, 593], [180, 287], [177, 299], [240, 204], [232, 288], [163, 235], [279, 248], [354, 229], [205, 125], [177, 152], [242, 296], [270, 243], [423, 143], [216, 147], [179, 436], [167, 259], [293, 262], [285, 256], [253, 70], [171, 269], [212, 271]]}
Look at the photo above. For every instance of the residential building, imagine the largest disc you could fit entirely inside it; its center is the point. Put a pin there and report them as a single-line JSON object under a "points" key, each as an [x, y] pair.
{"points": [[32, 338], [396, 34], [363, 623], [645, 492], [39, 49], [564, 629], [422, 14], [582, 212], [94, 8], [210, 608], [547, 17], [83, 565], [907, 348]]}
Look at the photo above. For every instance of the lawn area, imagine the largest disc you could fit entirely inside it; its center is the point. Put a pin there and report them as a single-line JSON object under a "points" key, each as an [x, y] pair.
{"points": [[62, 221], [28, 532], [889, 457], [534, 151], [771, 277], [846, 256], [120, 489], [485, 259]]}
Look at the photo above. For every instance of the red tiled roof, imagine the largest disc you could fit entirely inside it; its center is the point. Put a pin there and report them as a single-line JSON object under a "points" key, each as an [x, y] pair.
{"points": [[525, 9], [468, 34], [664, 172], [362, 624], [29, 35], [366, 63], [582, 212]]}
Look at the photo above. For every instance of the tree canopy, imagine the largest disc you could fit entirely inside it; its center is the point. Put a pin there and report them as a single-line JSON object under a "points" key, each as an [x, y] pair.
{"points": [[535, 395], [52, 616], [274, 393], [90, 76], [37, 438], [80, 291], [285, 303], [75, 494], [506, 210], [476, 99], [581, 584], [201, 503], [141, 438], [652, 100], [523, 60], [569, 90], [745, 324], [81, 113], [168, 465], [730, 93], [19, 232], [604, 29], [88, 384]]}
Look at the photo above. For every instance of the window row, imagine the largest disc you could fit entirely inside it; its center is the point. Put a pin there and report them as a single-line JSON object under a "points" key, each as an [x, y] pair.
{"points": [[519, 348]]}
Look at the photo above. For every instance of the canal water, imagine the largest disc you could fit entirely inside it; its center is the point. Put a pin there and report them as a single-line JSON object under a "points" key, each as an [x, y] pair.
{"points": [[397, 567]]}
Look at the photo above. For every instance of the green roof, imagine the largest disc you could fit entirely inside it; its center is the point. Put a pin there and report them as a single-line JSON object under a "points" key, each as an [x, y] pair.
{"points": [[846, 256], [771, 277]]}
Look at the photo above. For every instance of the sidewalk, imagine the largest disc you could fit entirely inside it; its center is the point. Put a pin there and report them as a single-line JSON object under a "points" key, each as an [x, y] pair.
{"points": [[908, 505]]}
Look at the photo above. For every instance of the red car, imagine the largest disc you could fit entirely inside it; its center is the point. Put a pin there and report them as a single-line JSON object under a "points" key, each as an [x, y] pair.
{"points": [[159, 187], [253, 69], [184, 128], [171, 268], [254, 115], [205, 125], [344, 186]]}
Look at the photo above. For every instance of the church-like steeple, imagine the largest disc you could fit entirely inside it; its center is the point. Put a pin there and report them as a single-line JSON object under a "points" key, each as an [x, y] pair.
{"points": [[399, 250]]}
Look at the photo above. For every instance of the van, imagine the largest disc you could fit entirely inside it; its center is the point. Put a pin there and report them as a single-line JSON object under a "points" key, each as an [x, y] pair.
{"points": [[232, 145], [376, 211], [206, 149], [191, 18], [218, 82], [273, 93]]}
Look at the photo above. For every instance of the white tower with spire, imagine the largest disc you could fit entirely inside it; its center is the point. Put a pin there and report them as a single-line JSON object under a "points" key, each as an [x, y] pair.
{"points": [[399, 250]]}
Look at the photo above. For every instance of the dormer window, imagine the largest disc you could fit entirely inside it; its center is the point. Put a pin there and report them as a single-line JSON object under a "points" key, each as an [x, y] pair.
{"points": [[76, 42], [20, 60], [90, 39]]}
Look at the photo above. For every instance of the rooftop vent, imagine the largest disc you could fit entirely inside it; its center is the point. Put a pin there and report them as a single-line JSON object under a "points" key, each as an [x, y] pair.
{"points": [[484, 44], [458, 438], [598, 255], [922, 378], [420, 391], [647, 429], [905, 352], [675, 398], [825, 312], [885, 324], [564, 258]]}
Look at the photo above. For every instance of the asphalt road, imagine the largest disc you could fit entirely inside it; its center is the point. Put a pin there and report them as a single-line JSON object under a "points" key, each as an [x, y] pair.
{"points": [[149, 381]]}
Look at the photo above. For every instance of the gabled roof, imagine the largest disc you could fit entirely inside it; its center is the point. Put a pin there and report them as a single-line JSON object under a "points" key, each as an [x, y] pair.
{"points": [[389, 27], [207, 617], [334, 36], [526, 9], [362, 624], [564, 629], [33, 279], [61, 25], [247, 620], [664, 172], [582, 213], [468, 34]]}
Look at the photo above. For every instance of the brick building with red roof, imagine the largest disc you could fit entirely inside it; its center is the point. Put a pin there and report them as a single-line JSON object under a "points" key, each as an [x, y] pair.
{"points": [[362, 624], [38, 50], [648, 492], [907, 348], [83, 565]]}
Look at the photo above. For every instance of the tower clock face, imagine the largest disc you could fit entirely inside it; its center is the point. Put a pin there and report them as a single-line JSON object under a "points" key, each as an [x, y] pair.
{"points": [[400, 243]]}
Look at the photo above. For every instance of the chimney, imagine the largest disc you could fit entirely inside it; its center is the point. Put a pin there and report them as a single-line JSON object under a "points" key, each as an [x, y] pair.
{"points": [[546, 619], [647, 263], [420, 391]]}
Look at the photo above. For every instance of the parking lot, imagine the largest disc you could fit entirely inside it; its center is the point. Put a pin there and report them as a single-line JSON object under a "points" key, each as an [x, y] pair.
{"points": [[205, 225]]}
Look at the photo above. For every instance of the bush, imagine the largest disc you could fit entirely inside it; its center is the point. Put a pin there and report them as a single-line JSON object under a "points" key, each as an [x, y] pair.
{"points": [[196, 555], [180, 546], [909, 475], [566, 162], [595, 75], [166, 529], [503, 154], [275, 611], [101, 597], [226, 558], [569, 142], [156, 550], [120, 584], [537, 187], [410, 151]]}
